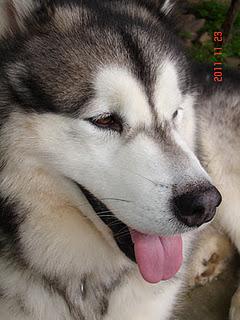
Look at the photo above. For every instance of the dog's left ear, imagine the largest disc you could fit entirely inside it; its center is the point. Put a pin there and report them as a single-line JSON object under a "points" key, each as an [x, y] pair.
{"points": [[15, 13], [167, 6]]}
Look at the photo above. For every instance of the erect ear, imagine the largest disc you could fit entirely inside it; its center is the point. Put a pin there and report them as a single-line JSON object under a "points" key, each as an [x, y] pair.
{"points": [[14, 13], [167, 6]]}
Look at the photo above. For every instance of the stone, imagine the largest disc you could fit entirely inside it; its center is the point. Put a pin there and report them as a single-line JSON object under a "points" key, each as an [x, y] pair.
{"points": [[233, 62], [205, 37], [188, 43], [189, 23]]}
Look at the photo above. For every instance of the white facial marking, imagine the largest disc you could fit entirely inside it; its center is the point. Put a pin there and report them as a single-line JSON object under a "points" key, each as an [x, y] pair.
{"points": [[186, 124], [194, 169], [139, 171], [167, 93], [118, 90]]}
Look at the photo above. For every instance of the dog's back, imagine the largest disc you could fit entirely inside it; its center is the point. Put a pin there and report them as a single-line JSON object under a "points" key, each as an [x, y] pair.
{"points": [[218, 114]]}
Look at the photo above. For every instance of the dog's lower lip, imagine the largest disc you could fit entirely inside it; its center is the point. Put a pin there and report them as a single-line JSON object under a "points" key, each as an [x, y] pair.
{"points": [[119, 230]]}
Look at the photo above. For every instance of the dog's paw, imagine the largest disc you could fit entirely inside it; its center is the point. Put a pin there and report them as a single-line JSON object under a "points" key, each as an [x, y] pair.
{"points": [[210, 258], [207, 270], [235, 307]]}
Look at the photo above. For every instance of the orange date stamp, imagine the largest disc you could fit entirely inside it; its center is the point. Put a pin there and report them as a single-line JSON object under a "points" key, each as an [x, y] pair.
{"points": [[218, 50]]}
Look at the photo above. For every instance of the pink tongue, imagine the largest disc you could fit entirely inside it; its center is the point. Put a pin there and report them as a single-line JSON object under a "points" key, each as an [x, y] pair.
{"points": [[158, 258]]}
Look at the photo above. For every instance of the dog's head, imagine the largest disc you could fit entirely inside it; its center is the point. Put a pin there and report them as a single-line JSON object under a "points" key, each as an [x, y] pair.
{"points": [[109, 85]]}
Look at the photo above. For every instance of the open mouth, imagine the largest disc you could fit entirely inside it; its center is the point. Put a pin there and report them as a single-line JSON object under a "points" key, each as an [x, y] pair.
{"points": [[158, 258], [118, 227]]}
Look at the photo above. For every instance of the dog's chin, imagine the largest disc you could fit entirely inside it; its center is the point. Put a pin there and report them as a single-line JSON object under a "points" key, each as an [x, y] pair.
{"points": [[119, 230]]}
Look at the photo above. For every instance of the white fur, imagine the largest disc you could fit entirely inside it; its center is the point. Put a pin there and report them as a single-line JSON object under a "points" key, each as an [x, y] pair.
{"points": [[135, 174], [117, 90], [220, 147], [167, 6], [211, 256], [49, 150], [56, 214], [224, 169], [235, 306], [62, 235], [168, 97]]}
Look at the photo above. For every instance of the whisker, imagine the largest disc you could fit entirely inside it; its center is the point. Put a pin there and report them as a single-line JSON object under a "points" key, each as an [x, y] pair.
{"points": [[107, 211], [141, 176], [116, 199], [163, 185], [124, 228], [123, 231], [106, 215], [121, 236], [114, 223]]}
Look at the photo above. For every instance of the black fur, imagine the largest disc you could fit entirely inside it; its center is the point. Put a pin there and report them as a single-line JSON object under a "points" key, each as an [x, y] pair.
{"points": [[9, 217], [12, 216], [125, 242], [43, 69], [35, 90]]}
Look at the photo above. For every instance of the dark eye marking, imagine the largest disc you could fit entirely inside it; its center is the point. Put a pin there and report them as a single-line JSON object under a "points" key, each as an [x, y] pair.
{"points": [[176, 113]]}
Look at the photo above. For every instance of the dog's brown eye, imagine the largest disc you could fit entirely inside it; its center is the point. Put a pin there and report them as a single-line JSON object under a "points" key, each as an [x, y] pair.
{"points": [[111, 122], [105, 121]]}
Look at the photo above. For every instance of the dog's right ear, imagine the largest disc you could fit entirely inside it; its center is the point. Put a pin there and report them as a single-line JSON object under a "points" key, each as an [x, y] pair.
{"points": [[14, 13]]}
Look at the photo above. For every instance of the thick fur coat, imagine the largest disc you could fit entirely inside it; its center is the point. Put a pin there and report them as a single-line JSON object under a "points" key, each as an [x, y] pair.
{"points": [[96, 111]]}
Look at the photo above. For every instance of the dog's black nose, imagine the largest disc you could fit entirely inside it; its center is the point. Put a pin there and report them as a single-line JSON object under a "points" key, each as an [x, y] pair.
{"points": [[197, 207]]}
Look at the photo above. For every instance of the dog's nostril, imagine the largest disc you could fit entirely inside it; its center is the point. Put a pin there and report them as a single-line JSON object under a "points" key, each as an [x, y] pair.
{"points": [[198, 206]]}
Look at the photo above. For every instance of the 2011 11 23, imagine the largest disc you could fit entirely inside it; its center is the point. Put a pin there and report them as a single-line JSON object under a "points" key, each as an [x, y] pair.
{"points": [[218, 50]]}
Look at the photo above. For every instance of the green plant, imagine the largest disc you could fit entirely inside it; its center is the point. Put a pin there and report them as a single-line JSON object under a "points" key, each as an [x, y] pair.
{"points": [[214, 12], [185, 34]]}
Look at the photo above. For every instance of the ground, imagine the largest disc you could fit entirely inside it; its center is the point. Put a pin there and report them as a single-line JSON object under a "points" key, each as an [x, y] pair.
{"points": [[199, 19], [211, 302]]}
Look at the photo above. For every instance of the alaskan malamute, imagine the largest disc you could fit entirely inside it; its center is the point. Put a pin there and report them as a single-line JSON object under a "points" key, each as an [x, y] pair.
{"points": [[99, 176]]}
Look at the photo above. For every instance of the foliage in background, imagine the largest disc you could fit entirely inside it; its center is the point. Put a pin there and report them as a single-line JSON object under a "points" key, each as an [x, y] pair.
{"points": [[215, 13]]}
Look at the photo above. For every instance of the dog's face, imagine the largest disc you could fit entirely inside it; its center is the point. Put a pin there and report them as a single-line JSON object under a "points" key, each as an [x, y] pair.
{"points": [[132, 154], [113, 111]]}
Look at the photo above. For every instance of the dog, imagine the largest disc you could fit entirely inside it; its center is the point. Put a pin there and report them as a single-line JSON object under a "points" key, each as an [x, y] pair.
{"points": [[100, 185], [218, 110]]}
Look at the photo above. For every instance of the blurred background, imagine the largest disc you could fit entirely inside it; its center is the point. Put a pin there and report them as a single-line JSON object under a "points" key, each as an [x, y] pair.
{"points": [[199, 19]]}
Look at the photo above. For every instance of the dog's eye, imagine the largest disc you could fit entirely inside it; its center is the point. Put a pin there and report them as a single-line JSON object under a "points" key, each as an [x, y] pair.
{"points": [[178, 114], [109, 121]]}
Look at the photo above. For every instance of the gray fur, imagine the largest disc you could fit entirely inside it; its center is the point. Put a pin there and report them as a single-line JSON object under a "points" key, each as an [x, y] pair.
{"points": [[49, 59], [47, 65]]}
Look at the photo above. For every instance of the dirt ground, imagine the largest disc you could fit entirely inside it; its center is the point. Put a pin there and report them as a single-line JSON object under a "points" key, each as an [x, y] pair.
{"points": [[212, 301]]}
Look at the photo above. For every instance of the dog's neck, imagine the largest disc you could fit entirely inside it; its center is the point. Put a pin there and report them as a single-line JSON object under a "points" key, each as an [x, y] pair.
{"points": [[58, 243], [57, 231]]}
